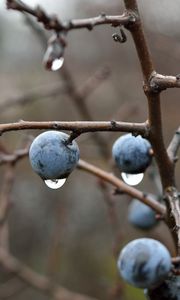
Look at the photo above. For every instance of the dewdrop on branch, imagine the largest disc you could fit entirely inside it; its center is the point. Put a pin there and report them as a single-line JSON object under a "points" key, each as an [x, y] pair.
{"points": [[54, 56], [53, 158], [132, 179], [55, 184]]}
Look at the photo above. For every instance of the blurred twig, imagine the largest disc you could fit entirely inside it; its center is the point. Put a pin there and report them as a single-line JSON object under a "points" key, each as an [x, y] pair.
{"points": [[42, 93], [174, 146], [36, 280]]}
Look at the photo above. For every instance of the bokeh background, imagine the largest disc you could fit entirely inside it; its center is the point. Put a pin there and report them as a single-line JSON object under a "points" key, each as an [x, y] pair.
{"points": [[71, 234]]}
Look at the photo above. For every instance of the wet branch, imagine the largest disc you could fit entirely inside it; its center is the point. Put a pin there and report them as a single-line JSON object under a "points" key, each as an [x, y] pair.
{"points": [[78, 126], [52, 22]]}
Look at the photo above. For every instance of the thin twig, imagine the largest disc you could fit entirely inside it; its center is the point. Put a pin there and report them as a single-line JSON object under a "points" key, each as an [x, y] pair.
{"points": [[103, 175], [52, 23], [36, 280], [174, 146], [112, 179]]}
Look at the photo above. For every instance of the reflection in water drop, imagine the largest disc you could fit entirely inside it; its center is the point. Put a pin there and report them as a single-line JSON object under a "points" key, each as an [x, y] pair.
{"points": [[55, 183], [132, 179], [57, 64]]}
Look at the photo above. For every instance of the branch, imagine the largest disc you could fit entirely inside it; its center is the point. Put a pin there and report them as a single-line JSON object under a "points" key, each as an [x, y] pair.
{"points": [[52, 23], [154, 108], [14, 157], [160, 82], [103, 175], [78, 96], [36, 280], [165, 165], [174, 146], [78, 126], [110, 178]]}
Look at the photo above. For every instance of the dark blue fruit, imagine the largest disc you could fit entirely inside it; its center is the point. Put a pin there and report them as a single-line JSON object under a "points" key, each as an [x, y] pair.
{"points": [[144, 263], [132, 154], [51, 157], [141, 215]]}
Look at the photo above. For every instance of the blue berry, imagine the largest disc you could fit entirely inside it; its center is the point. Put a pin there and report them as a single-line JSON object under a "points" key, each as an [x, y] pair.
{"points": [[141, 215], [51, 157], [132, 154], [144, 263]]}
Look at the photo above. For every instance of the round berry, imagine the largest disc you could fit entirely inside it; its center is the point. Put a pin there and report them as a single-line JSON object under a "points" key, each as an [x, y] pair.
{"points": [[132, 154], [141, 215], [144, 263], [51, 157]]}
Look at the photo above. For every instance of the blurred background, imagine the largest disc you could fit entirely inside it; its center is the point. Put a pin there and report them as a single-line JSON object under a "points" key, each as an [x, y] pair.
{"points": [[73, 234]]}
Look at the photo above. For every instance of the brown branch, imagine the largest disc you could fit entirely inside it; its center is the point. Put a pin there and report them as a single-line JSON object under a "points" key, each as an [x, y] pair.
{"points": [[165, 165], [78, 126], [160, 82], [174, 146], [52, 23], [102, 175], [154, 108], [176, 260], [78, 96], [14, 157], [110, 178], [36, 280], [5, 194]]}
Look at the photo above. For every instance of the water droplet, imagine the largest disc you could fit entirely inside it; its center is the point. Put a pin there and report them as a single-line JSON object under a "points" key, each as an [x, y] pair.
{"points": [[57, 64], [132, 179], [55, 183]]}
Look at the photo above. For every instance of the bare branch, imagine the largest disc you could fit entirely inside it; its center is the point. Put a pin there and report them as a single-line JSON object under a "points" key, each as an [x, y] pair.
{"points": [[160, 82], [174, 146], [80, 126], [103, 175], [14, 157], [159, 208], [52, 23], [5, 194], [36, 280]]}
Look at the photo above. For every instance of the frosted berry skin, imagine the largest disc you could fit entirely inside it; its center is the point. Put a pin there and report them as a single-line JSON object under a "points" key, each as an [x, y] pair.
{"points": [[144, 263], [132, 154], [51, 157], [141, 215]]}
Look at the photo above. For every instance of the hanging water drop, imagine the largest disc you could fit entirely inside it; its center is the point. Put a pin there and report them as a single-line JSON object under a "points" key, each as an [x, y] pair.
{"points": [[55, 183], [132, 179], [57, 64]]}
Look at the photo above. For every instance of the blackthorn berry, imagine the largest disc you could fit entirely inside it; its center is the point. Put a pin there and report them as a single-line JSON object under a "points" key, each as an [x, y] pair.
{"points": [[141, 215], [144, 263], [132, 154], [51, 157]]}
